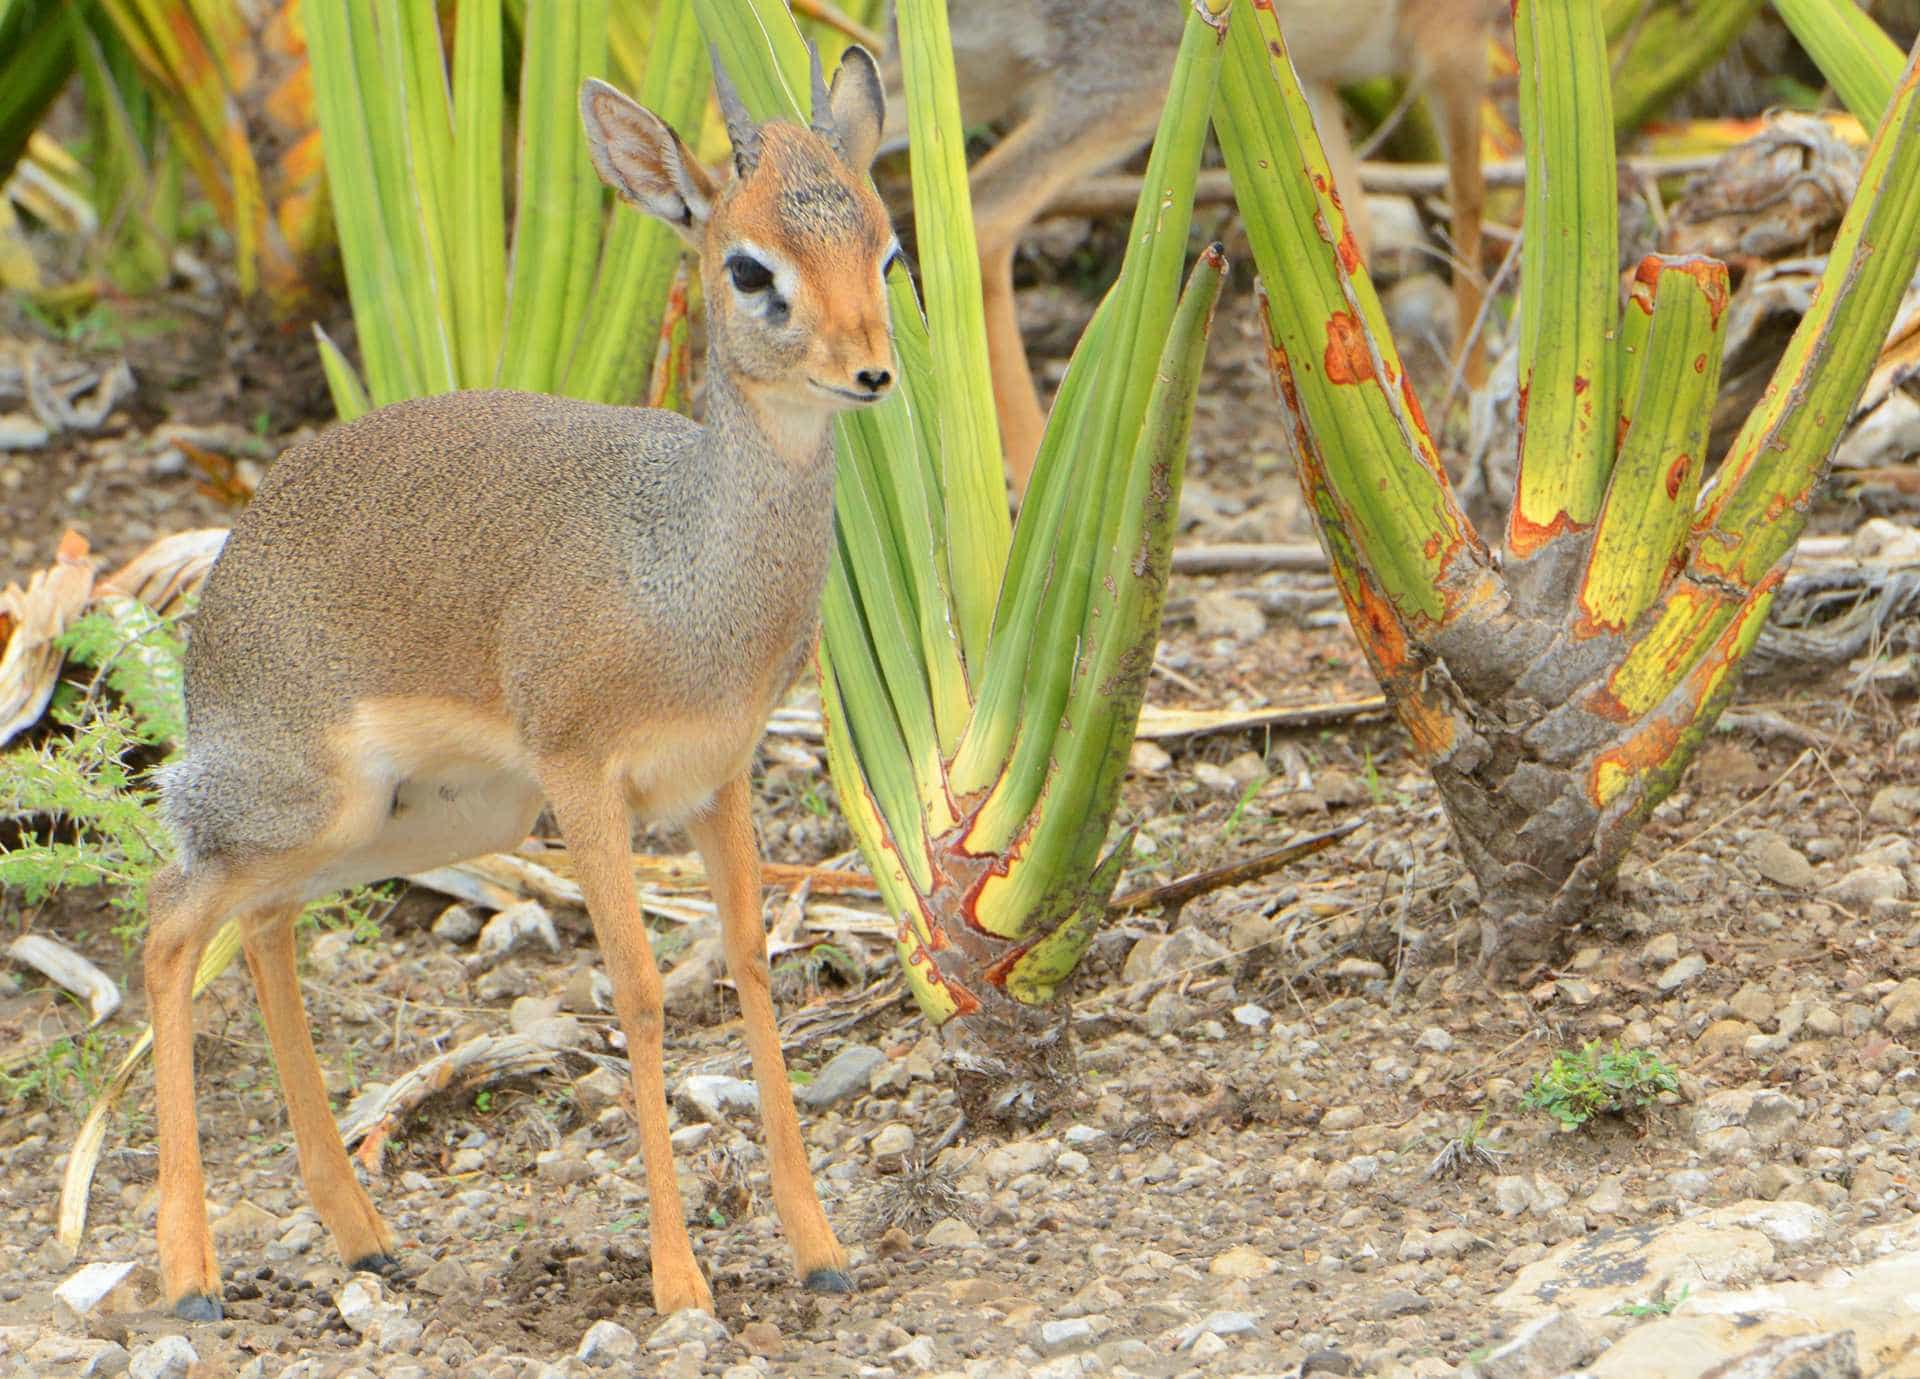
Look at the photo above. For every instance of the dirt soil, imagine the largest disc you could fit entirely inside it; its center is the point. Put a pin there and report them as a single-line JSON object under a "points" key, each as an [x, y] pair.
{"points": [[1260, 1101]]}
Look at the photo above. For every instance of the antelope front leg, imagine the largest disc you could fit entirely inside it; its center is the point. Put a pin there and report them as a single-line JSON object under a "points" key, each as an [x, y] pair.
{"points": [[592, 813], [725, 838]]}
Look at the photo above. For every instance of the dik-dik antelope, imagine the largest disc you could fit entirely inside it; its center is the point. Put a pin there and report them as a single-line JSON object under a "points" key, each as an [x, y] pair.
{"points": [[432, 620], [1080, 86]]}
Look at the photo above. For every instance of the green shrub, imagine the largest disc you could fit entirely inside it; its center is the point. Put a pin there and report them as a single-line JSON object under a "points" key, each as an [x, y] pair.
{"points": [[1593, 1080]]}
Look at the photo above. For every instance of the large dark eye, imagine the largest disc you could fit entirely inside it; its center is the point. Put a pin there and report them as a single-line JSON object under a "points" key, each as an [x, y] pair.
{"points": [[749, 274]]}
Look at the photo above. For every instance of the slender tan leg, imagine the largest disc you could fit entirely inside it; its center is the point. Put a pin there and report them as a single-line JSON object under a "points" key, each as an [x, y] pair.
{"points": [[182, 914], [1461, 90], [363, 1239], [591, 810], [725, 838], [1045, 153]]}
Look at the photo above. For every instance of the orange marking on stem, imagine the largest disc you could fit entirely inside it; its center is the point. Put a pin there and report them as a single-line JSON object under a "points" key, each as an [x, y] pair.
{"points": [[1378, 625], [1526, 536], [1676, 475], [1349, 250], [1647, 749], [1580, 384], [1348, 360]]}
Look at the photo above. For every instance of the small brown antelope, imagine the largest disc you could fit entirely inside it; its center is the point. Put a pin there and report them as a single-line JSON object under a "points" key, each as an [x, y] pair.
{"points": [[1080, 86], [433, 619]]}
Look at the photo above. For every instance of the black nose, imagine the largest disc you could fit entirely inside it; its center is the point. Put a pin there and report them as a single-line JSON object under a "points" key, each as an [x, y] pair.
{"points": [[873, 380]]}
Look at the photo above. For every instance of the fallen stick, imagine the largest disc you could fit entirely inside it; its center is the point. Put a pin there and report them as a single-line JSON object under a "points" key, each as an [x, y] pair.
{"points": [[1182, 889], [1117, 193], [1250, 558], [59, 963]]}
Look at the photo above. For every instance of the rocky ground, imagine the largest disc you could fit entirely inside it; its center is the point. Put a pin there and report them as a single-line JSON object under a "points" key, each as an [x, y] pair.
{"points": [[1246, 1178]]}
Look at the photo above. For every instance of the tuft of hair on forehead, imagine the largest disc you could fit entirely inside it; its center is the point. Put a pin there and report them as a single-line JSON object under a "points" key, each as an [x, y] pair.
{"points": [[802, 192]]}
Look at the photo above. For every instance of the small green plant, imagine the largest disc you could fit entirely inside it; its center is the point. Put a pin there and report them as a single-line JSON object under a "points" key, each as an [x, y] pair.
{"points": [[1593, 1080], [65, 1072], [82, 801], [1656, 1307], [1466, 1150]]}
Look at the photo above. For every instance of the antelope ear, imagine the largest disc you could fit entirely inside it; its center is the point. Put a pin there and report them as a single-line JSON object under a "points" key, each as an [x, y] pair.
{"points": [[645, 161], [858, 100]]}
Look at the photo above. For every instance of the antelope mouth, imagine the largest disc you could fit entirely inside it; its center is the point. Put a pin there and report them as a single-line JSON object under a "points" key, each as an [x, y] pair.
{"points": [[858, 399]]}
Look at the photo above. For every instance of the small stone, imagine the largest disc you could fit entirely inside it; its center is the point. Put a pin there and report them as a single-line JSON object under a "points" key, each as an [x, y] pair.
{"points": [[1149, 758], [690, 1137], [1823, 1022], [1679, 973], [1661, 949], [1780, 862], [1902, 1007], [1864, 885], [363, 1304], [1754, 1004], [561, 1166], [443, 1277], [1606, 1200], [587, 990], [762, 1338], [1064, 1334], [1358, 970], [599, 1089], [951, 1233], [514, 928], [1434, 1040], [607, 1343], [1896, 806], [1073, 1161], [245, 1222], [1251, 1016], [111, 1359], [1726, 1036], [1400, 1302], [844, 1077], [1326, 1363], [1544, 1347], [690, 1324], [712, 1098], [1765, 1116], [1223, 1323], [1208, 1347], [1242, 1261], [169, 1357], [1343, 1118], [89, 1286], [1167, 1013], [557, 1032], [916, 1355], [1215, 778], [894, 1142], [1219, 613], [1832, 1355]]}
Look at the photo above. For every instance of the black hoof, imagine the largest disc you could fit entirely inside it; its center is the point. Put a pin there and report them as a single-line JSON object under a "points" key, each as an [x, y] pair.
{"points": [[199, 1307], [382, 1264], [829, 1281]]}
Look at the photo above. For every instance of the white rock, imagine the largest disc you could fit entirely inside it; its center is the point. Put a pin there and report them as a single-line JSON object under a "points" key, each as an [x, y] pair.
{"points": [[952, 1233], [1434, 1039], [689, 1324], [1545, 1346], [456, 924], [1252, 1016], [607, 1343], [169, 1357], [1864, 885], [89, 1286], [513, 928], [1242, 1261], [895, 1141], [1223, 1323], [916, 1355], [1679, 973], [711, 1097], [1208, 1347], [1062, 1334], [363, 1304]]}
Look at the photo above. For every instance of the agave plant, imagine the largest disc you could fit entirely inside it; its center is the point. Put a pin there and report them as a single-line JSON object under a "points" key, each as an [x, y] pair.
{"points": [[1556, 689], [981, 685]]}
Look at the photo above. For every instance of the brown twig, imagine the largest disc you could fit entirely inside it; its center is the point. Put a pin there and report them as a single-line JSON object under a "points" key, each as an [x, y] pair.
{"points": [[1179, 891]]}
